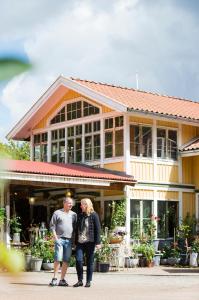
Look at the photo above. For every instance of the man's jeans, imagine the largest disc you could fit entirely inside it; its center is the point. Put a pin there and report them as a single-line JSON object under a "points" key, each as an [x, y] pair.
{"points": [[63, 250], [87, 249]]}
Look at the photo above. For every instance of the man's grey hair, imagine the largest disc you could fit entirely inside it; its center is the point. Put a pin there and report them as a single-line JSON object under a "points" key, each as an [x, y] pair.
{"points": [[66, 199]]}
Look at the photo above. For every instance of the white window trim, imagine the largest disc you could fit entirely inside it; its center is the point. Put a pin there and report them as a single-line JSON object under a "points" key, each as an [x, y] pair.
{"points": [[64, 104]]}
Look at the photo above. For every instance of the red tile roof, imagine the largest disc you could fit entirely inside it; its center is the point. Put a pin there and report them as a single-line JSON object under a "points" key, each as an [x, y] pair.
{"points": [[192, 145], [69, 170], [145, 101]]}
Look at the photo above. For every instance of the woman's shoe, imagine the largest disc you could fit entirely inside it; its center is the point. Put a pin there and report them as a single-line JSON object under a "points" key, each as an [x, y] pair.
{"points": [[88, 284], [79, 283]]}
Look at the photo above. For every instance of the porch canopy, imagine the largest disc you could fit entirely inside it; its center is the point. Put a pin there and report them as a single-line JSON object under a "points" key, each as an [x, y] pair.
{"points": [[46, 174]]}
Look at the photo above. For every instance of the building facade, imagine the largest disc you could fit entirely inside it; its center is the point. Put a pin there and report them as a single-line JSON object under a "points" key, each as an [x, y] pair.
{"points": [[151, 137]]}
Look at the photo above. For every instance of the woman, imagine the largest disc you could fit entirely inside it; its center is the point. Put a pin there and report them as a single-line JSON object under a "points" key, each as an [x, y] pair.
{"points": [[87, 238]]}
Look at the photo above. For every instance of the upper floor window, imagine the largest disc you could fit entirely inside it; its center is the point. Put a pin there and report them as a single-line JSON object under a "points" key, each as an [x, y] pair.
{"points": [[60, 117], [75, 110], [141, 140], [74, 141], [40, 146], [114, 137], [167, 143], [58, 145]]}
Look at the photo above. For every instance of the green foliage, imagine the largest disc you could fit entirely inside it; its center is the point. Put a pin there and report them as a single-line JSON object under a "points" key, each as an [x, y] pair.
{"points": [[195, 246], [2, 215], [38, 249], [10, 67], [103, 254], [15, 224], [15, 150], [147, 250], [72, 262], [118, 216]]}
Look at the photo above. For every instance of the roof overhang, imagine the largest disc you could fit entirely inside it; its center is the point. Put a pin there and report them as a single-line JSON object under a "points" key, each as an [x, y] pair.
{"points": [[62, 175]]}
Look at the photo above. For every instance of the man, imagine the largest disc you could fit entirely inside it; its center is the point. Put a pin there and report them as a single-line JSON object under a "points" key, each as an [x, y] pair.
{"points": [[62, 225]]}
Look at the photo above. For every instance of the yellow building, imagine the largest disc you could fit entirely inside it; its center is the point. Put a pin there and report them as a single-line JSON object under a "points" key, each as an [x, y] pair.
{"points": [[151, 137]]}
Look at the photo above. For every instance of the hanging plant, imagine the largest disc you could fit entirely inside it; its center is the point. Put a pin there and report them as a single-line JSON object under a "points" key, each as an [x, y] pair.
{"points": [[2, 216]]}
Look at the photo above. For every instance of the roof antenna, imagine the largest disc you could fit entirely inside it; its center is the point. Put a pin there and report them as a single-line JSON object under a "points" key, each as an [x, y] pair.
{"points": [[137, 85]]}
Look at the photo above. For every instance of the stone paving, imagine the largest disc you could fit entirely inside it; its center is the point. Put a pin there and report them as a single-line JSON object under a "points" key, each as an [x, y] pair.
{"points": [[154, 283]]}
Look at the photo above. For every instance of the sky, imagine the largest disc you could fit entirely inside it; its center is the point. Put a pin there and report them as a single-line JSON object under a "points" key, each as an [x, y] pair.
{"points": [[105, 41]]}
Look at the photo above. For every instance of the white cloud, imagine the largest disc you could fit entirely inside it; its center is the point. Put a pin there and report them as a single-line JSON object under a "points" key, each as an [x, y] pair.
{"points": [[103, 41]]}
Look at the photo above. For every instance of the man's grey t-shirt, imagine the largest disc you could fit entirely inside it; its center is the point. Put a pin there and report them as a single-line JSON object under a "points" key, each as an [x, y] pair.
{"points": [[62, 222]]}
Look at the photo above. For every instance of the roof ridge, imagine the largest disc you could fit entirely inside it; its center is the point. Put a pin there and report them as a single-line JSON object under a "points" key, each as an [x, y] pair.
{"points": [[133, 89]]}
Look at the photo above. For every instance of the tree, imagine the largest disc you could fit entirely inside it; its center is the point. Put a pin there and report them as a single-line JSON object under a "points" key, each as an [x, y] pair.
{"points": [[15, 150]]}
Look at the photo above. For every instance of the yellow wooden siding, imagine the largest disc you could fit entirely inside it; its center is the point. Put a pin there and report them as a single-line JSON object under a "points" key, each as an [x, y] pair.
{"points": [[188, 132], [70, 95], [187, 170], [143, 194], [167, 173], [196, 171], [142, 170], [141, 120], [188, 204], [167, 124], [119, 166], [120, 194], [167, 195]]}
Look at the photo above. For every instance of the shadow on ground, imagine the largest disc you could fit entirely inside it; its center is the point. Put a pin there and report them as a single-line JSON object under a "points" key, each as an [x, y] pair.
{"points": [[178, 271]]}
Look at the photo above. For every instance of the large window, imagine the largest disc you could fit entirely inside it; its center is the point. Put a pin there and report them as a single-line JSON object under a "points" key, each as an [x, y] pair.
{"points": [[75, 110], [74, 150], [140, 141], [40, 146], [141, 211], [168, 218], [58, 145], [114, 137], [167, 144], [92, 141]]}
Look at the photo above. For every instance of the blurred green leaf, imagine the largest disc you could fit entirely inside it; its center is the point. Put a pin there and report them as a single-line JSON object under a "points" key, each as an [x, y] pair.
{"points": [[10, 67]]}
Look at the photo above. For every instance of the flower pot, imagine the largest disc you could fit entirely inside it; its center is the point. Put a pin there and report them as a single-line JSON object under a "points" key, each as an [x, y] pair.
{"points": [[133, 262], [36, 264], [142, 261], [104, 267], [163, 261], [156, 260], [156, 245], [47, 266], [173, 261], [193, 259], [16, 237], [28, 258]]}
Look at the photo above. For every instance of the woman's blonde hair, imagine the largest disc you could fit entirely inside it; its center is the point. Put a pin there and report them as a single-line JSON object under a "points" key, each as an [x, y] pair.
{"points": [[89, 207]]}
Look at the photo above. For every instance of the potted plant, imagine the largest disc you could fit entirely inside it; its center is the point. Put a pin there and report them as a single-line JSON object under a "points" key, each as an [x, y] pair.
{"points": [[104, 253], [28, 257], [133, 258], [118, 220], [194, 253], [15, 226], [37, 252], [174, 256], [47, 252], [165, 254]]}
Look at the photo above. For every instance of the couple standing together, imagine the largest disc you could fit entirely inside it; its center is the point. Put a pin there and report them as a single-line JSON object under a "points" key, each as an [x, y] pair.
{"points": [[84, 230]]}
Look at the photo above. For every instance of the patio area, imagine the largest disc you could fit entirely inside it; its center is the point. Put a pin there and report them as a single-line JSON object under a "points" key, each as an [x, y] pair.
{"points": [[137, 283]]}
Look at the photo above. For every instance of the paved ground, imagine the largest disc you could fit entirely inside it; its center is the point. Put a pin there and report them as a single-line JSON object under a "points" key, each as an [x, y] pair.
{"points": [[154, 283]]}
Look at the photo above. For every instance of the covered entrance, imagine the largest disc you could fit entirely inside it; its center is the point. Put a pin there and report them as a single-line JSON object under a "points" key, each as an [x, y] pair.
{"points": [[33, 190]]}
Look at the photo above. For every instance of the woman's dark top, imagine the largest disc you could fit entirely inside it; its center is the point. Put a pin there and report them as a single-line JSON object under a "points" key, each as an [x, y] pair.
{"points": [[94, 227]]}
